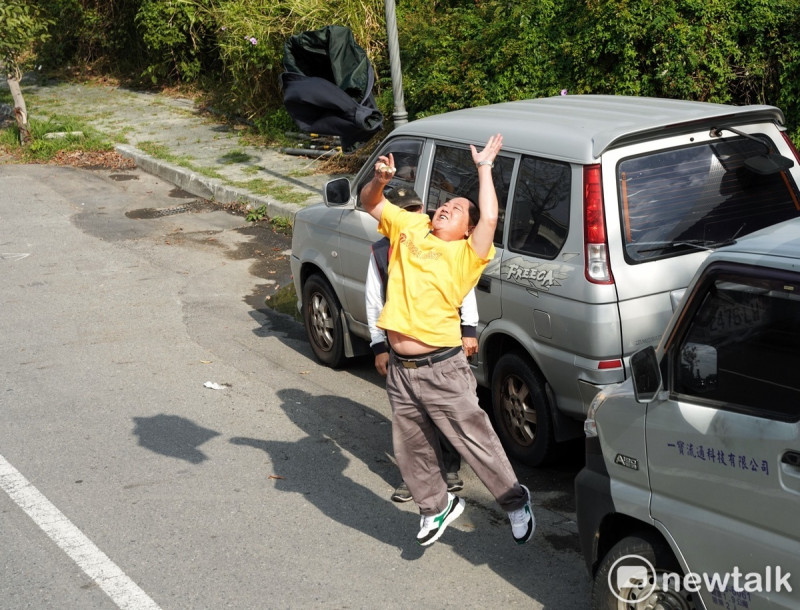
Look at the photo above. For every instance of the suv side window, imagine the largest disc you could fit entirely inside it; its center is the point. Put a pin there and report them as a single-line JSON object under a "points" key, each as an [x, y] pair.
{"points": [[540, 213], [406, 153], [742, 347], [454, 175]]}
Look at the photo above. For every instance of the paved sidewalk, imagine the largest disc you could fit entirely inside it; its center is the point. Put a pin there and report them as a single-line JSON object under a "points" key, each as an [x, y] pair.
{"points": [[205, 158]]}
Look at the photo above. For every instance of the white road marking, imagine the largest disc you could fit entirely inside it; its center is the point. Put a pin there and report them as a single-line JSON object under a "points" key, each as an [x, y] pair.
{"points": [[122, 590]]}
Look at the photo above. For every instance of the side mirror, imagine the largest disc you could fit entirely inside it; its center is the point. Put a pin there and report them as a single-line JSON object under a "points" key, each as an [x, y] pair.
{"points": [[646, 375], [337, 192]]}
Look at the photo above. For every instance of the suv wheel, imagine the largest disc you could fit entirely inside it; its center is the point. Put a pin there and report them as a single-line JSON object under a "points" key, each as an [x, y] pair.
{"points": [[323, 321], [521, 410], [650, 592]]}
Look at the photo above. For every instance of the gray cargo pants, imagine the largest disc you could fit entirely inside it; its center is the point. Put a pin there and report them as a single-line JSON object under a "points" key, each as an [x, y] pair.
{"points": [[443, 395]]}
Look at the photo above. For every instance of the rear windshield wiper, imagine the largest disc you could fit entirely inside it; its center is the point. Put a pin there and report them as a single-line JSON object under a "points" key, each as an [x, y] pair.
{"points": [[765, 165], [654, 246]]}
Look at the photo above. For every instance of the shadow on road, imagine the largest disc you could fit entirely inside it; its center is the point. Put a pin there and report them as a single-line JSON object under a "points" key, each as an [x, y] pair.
{"points": [[173, 436], [340, 431]]}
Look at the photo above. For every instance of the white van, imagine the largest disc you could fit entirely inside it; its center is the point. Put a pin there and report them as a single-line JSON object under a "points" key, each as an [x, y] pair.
{"points": [[692, 476], [607, 207]]}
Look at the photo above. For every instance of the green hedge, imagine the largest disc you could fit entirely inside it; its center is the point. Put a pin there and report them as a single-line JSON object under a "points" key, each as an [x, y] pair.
{"points": [[454, 53], [729, 51]]}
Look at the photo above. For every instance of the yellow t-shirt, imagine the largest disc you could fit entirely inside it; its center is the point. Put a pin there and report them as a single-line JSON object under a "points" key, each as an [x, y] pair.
{"points": [[428, 278]]}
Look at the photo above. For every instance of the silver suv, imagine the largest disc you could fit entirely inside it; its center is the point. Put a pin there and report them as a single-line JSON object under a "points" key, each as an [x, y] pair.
{"points": [[607, 207], [691, 489]]}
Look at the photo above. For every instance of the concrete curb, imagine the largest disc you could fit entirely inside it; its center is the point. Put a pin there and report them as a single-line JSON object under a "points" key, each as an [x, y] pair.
{"points": [[202, 186]]}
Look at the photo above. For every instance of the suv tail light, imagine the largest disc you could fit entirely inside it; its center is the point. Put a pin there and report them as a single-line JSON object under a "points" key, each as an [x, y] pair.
{"points": [[791, 146], [598, 270]]}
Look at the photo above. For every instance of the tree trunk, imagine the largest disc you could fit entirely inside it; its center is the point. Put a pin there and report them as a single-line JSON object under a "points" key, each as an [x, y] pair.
{"points": [[20, 110]]}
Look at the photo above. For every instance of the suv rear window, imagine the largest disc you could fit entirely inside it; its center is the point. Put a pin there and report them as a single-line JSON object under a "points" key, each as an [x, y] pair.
{"points": [[698, 197]]}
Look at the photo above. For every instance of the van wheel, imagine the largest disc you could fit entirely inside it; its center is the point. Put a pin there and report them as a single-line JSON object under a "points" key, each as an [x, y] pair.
{"points": [[521, 410], [655, 586], [323, 321]]}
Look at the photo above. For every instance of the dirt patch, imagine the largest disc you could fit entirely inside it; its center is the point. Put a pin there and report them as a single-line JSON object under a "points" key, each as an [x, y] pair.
{"points": [[101, 159], [93, 159]]}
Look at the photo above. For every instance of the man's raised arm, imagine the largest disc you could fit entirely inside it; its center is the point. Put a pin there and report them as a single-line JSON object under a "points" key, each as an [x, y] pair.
{"points": [[372, 194], [483, 234]]}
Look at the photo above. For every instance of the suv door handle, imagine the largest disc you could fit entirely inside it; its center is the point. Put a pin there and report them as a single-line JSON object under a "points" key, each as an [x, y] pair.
{"points": [[485, 284], [792, 458]]}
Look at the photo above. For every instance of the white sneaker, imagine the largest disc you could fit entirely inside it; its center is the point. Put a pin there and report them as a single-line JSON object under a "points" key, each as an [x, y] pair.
{"points": [[522, 521], [433, 526]]}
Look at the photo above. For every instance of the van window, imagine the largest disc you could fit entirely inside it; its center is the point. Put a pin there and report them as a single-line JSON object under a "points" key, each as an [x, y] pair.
{"points": [[742, 349], [406, 153], [699, 196], [454, 175], [540, 212]]}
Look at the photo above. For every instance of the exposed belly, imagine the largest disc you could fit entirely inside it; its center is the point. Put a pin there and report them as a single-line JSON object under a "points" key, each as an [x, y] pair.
{"points": [[409, 346]]}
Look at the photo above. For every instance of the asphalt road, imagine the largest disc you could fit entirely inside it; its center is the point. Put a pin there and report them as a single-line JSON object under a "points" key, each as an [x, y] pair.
{"points": [[125, 481]]}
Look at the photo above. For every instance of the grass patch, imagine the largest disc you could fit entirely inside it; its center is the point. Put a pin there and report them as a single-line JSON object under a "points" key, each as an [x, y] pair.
{"points": [[281, 224], [260, 186], [259, 213], [289, 195], [205, 171], [121, 135], [249, 170], [9, 138], [42, 149], [159, 151], [235, 156]]}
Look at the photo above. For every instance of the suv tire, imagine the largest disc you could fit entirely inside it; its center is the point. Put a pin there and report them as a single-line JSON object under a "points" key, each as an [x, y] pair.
{"points": [[322, 317], [521, 410], [656, 551]]}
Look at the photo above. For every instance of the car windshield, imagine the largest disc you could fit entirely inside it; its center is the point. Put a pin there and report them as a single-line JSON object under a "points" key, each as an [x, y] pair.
{"points": [[699, 197]]}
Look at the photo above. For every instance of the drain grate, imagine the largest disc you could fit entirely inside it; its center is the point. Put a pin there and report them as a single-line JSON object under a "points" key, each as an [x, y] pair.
{"points": [[201, 205]]}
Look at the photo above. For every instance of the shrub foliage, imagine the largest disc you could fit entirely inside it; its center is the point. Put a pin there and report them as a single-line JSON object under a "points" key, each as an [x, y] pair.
{"points": [[455, 53]]}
